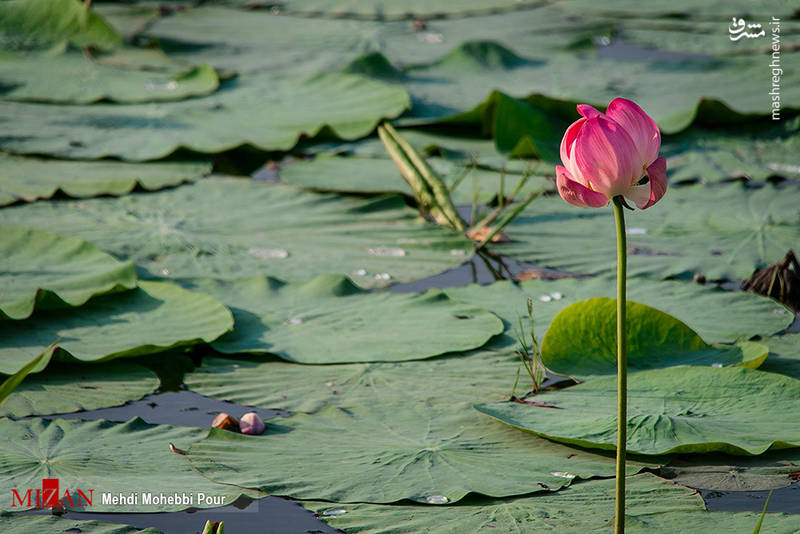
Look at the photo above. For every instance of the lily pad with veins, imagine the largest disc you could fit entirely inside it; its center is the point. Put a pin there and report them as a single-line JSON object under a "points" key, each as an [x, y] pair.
{"points": [[427, 451], [673, 410], [235, 228], [331, 320]]}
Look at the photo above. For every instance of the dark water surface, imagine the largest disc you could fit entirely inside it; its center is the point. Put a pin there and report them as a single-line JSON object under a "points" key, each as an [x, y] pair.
{"points": [[271, 515], [783, 500]]}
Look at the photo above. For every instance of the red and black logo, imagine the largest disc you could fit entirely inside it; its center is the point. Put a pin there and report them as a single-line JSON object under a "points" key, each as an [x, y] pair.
{"points": [[49, 496]]}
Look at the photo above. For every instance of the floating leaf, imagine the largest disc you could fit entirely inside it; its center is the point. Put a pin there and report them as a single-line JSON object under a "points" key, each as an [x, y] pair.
{"points": [[381, 9], [233, 228], [465, 378], [34, 24], [452, 65], [456, 146], [674, 410], [71, 78], [268, 113], [715, 314], [11, 383], [680, 9], [44, 270], [463, 79], [582, 341], [714, 154], [427, 451], [784, 355], [110, 458], [331, 320], [380, 175], [235, 39], [28, 179], [65, 388], [702, 37], [681, 236], [152, 318], [654, 505]]}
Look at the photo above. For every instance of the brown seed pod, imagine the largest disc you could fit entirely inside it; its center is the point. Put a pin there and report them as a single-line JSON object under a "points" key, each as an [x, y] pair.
{"points": [[780, 281], [226, 422]]}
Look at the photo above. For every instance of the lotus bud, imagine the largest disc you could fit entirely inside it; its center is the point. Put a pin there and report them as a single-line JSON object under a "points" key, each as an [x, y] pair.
{"points": [[226, 422], [252, 424], [609, 154]]}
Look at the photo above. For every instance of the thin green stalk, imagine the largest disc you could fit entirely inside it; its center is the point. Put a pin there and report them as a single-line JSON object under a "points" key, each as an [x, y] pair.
{"points": [[763, 513], [507, 219], [622, 367], [463, 173], [489, 219], [501, 194], [516, 381], [475, 193]]}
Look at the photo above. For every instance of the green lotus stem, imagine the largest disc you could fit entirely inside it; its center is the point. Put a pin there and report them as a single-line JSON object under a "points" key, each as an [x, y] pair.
{"points": [[501, 194], [437, 187], [489, 219], [509, 216], [419, 187], [622, 367]]}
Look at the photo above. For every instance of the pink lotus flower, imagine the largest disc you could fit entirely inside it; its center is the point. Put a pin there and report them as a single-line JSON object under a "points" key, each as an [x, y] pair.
{"points": [[608, 154]]}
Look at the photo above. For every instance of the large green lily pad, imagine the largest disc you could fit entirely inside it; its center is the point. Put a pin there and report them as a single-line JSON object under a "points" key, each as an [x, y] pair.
{"points": [[71, 78], [713, 155], [451, 65], [36, 24], [380, 175], [262, 111], [464, 79], [22, 524], [233, 39], [679, 409], [784, 355], [46, 270], [65, 388], [479, 376], [692, 36], [331, 320], [684, 9], [463, 147], [152, 318], [582, 341], [234, 228], [125, 458], [381, 9], [25, 179], [718, 316], [427, 451], [653, 505], [723, 232]]}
